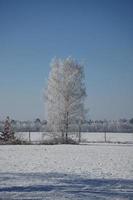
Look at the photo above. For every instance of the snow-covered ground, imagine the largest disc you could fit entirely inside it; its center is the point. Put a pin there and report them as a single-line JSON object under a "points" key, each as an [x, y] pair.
{"points": [[93, 171], [110, 137]]}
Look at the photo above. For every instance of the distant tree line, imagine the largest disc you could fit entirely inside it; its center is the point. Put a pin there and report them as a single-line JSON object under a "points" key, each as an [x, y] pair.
{"points": [[121, 125]]}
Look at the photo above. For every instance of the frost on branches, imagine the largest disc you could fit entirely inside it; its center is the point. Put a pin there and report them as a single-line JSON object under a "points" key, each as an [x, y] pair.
{"points": [[65, 95]]}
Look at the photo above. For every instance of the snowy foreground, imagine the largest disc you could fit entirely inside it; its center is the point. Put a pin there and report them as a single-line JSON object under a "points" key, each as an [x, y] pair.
{"points": [[58, 172]]}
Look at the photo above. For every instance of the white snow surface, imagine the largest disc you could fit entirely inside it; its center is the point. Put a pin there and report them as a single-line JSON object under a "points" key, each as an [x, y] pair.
{"points": [[94, 160], [92, 171]]}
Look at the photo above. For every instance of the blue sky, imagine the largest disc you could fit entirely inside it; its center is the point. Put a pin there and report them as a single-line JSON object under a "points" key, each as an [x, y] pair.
{"points": [[98, 33]]}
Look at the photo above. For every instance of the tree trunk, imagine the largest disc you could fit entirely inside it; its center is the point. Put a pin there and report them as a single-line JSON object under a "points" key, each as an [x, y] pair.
{"points": [[66, 127], [79, 133], [62, 136]]}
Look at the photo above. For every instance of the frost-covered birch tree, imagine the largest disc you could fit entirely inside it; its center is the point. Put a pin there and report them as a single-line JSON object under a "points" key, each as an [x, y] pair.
{"points": [[65, 95]]}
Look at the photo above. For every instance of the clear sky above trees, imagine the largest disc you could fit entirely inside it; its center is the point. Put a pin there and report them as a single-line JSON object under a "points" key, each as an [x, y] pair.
{"points": [[97, 33]]}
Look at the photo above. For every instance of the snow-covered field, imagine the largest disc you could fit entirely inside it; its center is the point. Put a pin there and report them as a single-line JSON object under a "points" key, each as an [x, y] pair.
{"points": [[110, 137], [58, 172]]}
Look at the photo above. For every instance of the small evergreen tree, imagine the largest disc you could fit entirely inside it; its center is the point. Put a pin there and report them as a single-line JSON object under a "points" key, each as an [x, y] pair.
{"points": [[7, 134]]}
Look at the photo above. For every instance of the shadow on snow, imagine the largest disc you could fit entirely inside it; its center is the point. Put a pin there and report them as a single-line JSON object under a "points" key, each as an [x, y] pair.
{"points": [[69, 185]]}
